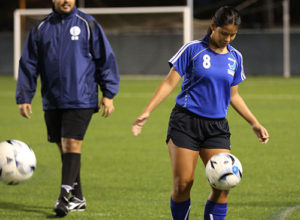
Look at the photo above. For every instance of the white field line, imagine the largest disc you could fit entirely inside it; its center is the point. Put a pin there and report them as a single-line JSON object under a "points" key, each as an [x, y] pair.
{"points": [[272, 96], [245, 96], [141, 77], [287, 212], [270, 82], [8, 94]]}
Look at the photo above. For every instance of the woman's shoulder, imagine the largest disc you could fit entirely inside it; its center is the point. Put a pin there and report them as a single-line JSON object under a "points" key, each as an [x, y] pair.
{"points": [[235, 52], [189, 50], [196, 44], [193, 47]]}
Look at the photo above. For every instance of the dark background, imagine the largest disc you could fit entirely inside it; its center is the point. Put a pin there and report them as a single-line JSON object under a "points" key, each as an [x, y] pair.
{"points": [[260, 37], [255, 13]]}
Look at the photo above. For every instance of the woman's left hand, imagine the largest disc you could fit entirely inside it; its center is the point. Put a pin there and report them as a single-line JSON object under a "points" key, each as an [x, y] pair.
{"points": [[261, 133]]}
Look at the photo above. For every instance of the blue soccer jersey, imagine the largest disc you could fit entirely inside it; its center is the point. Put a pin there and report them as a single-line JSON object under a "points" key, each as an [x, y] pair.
{"points": [[208, 77]]}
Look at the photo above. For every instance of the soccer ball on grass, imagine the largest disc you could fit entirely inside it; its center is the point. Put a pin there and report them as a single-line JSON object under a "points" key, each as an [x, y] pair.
{"points": [[17, 162], [224, 171]]}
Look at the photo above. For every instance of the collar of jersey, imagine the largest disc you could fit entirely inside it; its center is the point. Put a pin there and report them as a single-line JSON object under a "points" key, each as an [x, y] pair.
{"points": [[206, 41], [65, 16]]}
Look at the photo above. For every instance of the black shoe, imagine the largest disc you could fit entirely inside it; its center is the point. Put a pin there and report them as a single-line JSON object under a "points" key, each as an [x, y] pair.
{"points": [[61, 207]]}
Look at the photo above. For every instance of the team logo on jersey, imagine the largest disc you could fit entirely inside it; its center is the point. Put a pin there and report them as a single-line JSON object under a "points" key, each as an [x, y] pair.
{"points": [[75, 31], [231, 66]]}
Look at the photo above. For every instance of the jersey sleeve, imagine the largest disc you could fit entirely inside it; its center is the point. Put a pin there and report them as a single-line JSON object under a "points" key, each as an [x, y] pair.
{"points": [[28, 70], [107, 73], [239, 75], [181, 60]]}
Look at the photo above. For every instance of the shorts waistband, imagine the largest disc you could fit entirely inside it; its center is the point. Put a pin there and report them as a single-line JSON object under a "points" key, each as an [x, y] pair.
{"points": [[177, 106]]}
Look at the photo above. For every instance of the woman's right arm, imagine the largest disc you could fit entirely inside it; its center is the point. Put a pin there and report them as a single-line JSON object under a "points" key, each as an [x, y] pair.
{"points": [[162, 92]]}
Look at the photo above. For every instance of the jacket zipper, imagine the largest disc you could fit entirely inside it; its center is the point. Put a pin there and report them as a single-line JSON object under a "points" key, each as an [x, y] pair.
{"points": [[60, 57]]}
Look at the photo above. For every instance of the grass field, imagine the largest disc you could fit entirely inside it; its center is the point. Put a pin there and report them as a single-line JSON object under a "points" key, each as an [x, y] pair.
{"points": [[127, 177]]}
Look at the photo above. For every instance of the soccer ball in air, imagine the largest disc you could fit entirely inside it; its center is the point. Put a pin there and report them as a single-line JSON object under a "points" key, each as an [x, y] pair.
{"points": [[17, 162], [224, 171]]}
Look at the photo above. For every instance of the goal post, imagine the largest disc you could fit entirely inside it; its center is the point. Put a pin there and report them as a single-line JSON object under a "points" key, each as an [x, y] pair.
{"points": [[187, 12], [286, 39]]}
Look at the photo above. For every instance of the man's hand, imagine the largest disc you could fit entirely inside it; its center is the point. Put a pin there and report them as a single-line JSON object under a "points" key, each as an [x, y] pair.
{"points": [[107, 105], [24, 109]]}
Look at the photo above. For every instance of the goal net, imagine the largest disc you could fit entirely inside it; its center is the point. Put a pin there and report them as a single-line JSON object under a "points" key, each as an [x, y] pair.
{"points": [[143, 38]]}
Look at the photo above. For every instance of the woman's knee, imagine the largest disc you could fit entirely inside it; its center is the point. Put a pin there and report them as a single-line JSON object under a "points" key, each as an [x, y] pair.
{"points": [[182, 186]]}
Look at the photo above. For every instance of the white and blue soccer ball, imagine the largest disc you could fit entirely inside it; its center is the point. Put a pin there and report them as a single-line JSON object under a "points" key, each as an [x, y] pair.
{"points": [[17, 162], [224, 171]]}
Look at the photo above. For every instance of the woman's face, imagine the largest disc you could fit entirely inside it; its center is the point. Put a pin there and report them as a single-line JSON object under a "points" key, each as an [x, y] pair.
{"points": [[221, 36]]}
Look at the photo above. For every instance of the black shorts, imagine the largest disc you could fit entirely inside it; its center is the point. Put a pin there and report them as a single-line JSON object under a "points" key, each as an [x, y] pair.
{"points": [[194, 132], [67, 123]]}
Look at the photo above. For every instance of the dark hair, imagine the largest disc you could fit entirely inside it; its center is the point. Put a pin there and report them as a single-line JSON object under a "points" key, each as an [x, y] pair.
{"points": [[224, 16]]}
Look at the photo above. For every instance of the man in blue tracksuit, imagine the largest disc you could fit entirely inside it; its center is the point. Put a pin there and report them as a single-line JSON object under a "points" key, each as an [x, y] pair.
{"points": [[70, 52]]}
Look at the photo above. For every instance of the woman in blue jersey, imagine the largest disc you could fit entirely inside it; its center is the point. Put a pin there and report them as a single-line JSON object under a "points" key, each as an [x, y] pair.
{"points": [[212, 70]]}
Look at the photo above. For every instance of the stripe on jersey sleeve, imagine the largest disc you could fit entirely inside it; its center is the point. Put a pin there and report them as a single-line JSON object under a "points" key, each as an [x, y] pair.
{"points": [[182, 49], [243, 76]]}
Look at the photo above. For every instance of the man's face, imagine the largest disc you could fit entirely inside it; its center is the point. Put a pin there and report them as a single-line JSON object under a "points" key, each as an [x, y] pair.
{"points": [[63, 6]]}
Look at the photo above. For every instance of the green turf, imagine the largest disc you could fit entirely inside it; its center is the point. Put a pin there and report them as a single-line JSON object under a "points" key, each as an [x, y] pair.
{"points": [[127, 177]]}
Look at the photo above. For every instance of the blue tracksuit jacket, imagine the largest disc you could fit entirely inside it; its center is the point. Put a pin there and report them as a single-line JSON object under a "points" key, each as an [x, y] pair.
{"points": [[72, 56]]}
